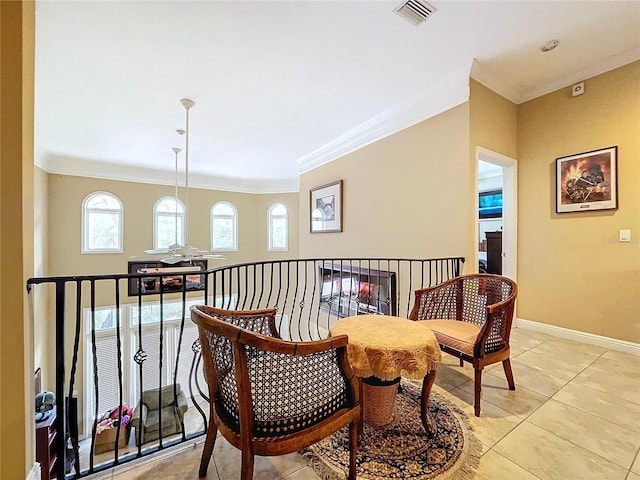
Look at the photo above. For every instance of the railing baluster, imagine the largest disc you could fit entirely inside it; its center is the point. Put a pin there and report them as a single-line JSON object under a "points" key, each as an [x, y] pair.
{"points": [[96, 393], [296, 294], [119, 354]]}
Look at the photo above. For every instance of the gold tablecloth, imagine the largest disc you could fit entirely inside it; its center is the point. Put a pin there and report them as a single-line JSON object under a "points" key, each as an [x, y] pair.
{"points": [[384, 346]]}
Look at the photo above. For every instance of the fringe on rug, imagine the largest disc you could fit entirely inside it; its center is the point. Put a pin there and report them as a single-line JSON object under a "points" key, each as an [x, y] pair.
{"points": [[465, 468], [471, 457], [324, 471]]}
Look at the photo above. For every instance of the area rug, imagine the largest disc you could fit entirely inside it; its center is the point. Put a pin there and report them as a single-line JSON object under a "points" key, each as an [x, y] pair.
{"points": [[402, 449]]}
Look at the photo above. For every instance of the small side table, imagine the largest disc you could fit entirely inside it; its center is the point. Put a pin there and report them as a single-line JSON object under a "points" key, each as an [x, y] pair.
{"points": [[380, 348]]}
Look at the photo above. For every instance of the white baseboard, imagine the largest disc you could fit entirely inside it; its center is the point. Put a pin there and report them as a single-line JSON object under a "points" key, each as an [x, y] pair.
{"points": [[584, 337], [34, 474]]}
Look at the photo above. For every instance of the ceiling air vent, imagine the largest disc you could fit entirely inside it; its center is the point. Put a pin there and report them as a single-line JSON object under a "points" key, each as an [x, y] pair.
{"points": [[415, 11]]}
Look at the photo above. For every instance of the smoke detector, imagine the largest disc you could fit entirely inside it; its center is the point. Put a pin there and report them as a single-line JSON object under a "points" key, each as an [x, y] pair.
{"points": [[415, 11]]}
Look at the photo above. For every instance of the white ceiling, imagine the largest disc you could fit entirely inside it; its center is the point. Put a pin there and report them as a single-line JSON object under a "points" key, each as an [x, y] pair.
{"points": [[281, 87]]}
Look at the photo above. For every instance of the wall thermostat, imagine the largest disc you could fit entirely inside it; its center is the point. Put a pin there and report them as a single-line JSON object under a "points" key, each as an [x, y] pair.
{"points": [[577, 89]]}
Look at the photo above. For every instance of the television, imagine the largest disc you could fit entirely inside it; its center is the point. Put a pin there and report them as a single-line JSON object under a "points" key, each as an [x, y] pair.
{"points": [[490, 204]]}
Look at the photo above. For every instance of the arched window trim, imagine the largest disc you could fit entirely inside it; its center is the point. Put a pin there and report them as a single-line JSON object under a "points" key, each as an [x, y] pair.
{"points": [[233, 216], [270, 233], [86, 211], [181, 216]]}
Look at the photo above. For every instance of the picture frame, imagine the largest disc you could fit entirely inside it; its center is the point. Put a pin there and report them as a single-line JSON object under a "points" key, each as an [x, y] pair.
{"points": [[587, 181], [176, 281], [325, 208]]}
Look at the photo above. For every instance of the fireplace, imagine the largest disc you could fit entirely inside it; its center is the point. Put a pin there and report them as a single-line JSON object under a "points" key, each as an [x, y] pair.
{"points": [[348, 290]]}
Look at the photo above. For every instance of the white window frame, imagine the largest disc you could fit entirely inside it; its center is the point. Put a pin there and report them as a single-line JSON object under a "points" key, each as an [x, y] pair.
{"points": [[86, 211], [270, 218], [233, 217], [157, 214]]}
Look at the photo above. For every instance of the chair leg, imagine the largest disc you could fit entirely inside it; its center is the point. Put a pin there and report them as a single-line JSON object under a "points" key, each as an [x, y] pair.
{"points": [[506, 364], [461, 363], [247, 465], [209, 443], [354, 428], [478, 390]]}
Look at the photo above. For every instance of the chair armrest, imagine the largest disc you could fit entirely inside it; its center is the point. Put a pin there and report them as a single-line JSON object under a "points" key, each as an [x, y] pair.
{"points": [[501, 312], [182, 405], [141, 411]]}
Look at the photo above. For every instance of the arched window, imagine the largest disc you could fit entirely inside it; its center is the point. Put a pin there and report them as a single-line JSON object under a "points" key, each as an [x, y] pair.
{"points": [[168, 223], [278, 222], [224, 227], [101, 223]]}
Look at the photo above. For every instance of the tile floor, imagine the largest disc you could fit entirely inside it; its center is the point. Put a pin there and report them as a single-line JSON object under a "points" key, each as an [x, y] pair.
{"points": [[575, 415]]}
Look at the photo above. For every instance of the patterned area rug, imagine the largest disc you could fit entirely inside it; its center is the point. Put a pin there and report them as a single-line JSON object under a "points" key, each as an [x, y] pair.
{"points": [[402, 449]]}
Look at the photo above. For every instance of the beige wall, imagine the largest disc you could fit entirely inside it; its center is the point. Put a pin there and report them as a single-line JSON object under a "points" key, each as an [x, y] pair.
{"points": [[493, 121], [573, 272], [404, 196], [66, 194], [16, 238]]}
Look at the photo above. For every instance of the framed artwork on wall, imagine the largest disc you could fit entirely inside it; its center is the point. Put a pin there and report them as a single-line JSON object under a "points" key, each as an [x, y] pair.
{"points": [[587, 181], [325, 213]]}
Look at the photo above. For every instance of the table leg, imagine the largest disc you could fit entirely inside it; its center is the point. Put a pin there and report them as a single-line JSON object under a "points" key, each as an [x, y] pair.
{"points": [[427, 384], [361, 424]]}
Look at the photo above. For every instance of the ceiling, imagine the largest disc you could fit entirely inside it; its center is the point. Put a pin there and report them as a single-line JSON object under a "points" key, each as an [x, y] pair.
{"points": [[281, 87]]}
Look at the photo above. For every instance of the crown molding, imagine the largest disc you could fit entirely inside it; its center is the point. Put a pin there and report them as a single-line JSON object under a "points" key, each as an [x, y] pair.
{"points": [[609, 64], [483, 74], [443, 95], [80, 167]]}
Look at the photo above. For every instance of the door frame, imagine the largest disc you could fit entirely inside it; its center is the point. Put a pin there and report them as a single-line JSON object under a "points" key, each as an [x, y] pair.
{"points": [[509, 208]]}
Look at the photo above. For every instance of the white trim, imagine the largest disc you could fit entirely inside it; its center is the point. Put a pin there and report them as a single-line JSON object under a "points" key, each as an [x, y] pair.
{"points": [[485, 76], [81, 167], [35, 472], [445, 94], [270, 219], [578, 336], [181, 215], [509, 209], [219, 216], [85, 223]]}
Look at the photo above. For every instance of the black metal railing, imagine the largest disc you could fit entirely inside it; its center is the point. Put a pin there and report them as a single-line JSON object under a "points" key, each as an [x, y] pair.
{"points": [[127, 341]]}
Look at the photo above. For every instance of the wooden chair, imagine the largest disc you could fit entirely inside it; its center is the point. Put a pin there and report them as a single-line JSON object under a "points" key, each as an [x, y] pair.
{"points": [[269, 396], [471, 316]]}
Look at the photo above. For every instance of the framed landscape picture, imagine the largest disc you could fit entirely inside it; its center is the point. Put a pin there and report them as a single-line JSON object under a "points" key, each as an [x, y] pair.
{"points": [[326, 208], [587, 181]]}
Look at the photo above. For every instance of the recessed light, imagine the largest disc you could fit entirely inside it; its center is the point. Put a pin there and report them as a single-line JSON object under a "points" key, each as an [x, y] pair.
{"points": [[550, 45]]}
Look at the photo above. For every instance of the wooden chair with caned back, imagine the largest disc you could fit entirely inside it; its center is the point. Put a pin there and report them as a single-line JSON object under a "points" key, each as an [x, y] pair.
{"points": [[269, 396], [471, 317]]}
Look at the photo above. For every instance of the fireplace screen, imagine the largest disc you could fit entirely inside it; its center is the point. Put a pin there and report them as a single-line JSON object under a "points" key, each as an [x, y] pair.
{"points": [[348, 290]]}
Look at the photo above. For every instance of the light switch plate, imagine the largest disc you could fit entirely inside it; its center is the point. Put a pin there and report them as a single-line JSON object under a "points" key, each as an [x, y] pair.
{"points": [[625, 235]]}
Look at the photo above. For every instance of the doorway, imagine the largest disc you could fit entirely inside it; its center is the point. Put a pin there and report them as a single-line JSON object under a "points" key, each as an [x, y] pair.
{"points": [[506, 168]]}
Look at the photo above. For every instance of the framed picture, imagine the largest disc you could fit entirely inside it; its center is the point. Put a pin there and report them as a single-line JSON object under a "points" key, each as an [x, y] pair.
{"points": [[326, 208], [587, 181], [174, 281]]}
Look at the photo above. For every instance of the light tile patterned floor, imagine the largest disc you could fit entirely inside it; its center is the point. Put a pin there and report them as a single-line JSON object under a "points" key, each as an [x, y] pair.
{"points": [[575, 415]]}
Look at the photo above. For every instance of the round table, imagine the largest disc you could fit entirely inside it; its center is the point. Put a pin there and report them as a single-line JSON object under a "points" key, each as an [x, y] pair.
{"points": [[381, 348]]}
